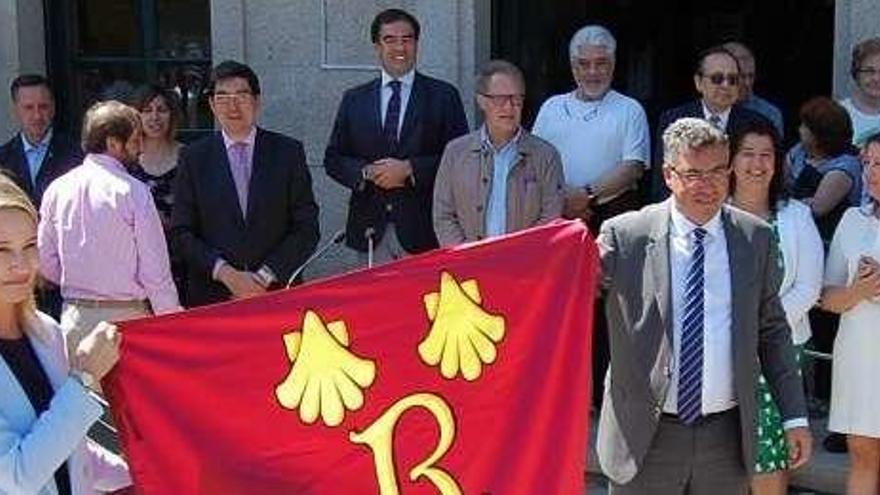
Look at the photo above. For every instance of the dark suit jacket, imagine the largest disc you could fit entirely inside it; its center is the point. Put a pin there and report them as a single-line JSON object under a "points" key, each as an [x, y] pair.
{"points": [[635, 265], [63, 154], [279, 230], [434, 116], [739, 117]]}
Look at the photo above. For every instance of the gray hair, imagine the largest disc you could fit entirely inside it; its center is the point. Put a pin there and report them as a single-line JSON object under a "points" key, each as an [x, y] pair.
{"points": [[498, 66], [689, 134], [592, 35]]}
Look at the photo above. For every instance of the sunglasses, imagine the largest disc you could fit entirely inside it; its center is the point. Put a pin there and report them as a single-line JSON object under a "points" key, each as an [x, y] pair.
{"points": [[718, 78]]}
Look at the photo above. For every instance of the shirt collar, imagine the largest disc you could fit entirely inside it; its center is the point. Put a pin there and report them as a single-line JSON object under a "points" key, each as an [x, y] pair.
{"points": [[44, 143], [682, 226], [708, 113], [486, 143], [406, 80], [249, 140], [106, 161]]}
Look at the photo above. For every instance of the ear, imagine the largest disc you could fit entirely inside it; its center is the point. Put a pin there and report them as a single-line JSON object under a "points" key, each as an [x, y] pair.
{"points": [[698, 83], [667, 176]]}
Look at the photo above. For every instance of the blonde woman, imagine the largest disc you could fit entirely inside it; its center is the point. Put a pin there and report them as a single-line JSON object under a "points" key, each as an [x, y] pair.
{"points": [[46, 408]]}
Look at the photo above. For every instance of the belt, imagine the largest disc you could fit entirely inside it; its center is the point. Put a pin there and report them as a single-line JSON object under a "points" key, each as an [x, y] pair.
{"points": [[706, 418], [109, 304]]}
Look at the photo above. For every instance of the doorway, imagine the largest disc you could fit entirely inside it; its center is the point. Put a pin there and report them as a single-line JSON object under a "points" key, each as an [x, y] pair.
{"points": [[657, 42]]}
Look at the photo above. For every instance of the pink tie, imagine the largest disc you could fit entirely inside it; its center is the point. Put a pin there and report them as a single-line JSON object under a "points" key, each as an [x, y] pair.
{"points": [[241, 173]]}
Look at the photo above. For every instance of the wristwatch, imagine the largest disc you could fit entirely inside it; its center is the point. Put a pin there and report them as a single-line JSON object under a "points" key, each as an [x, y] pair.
{"points": [[86, 379]]}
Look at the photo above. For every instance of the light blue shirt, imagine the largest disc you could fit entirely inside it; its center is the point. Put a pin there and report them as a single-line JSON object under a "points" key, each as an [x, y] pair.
{"points": [[406, 84], [767, 110], [36, 153], [502, 161]]}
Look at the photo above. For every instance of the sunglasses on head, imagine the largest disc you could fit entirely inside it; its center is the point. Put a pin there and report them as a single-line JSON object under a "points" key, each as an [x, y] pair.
{"points": [[719, 78]]}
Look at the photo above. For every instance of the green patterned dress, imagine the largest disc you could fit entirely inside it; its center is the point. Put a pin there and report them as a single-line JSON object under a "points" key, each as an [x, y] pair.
{"points": [[772, 450]]}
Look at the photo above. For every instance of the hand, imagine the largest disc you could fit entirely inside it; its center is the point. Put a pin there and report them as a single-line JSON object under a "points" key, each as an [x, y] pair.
{"points": [[867, 282], [389, 173], [240, 283], [98, 352], [800, 446], [577, 204]]}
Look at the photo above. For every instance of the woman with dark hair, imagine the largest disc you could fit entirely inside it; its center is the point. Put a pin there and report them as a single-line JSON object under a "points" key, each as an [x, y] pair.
{"points": [[823, 169], [852, 289], [757, 186], [160, 113]]}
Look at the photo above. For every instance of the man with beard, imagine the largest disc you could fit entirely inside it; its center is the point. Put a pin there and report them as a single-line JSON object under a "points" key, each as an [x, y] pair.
{"points": [[100, 238]]}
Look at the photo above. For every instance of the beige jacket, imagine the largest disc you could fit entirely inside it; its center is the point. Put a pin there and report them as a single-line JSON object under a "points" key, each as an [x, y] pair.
{"points": [[464, 180]]}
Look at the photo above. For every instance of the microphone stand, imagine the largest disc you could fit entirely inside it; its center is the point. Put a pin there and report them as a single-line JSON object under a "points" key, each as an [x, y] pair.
{"points": [[336, 239]]}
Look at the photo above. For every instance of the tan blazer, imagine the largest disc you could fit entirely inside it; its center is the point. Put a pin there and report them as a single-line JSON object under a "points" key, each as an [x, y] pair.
{"points": [[464, 181], [636, 277]]}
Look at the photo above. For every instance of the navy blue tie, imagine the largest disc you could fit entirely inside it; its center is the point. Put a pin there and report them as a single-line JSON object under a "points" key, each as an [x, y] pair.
{"points": [[690, 367], [392, 115]]}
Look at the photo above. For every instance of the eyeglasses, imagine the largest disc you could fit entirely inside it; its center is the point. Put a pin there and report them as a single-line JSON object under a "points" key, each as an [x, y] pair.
{"points": [[693, 175], [718, 78], [868, 71], [501, 100], [228, 99]]}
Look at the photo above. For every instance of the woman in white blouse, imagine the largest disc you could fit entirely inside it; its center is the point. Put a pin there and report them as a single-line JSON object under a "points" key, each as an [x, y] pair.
{"points": [[757, 186], [45, 405], [852, 288]]}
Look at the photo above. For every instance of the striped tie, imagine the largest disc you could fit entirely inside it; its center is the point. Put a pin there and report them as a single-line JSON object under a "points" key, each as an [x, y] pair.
{"points": [[690, 368]]}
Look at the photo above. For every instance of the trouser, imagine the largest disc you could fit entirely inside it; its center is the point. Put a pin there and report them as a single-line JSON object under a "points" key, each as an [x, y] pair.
{"points": [[701, 459], [79, 317]]}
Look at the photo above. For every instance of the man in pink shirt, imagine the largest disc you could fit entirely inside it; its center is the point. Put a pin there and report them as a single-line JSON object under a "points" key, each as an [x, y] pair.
{"points": [[100, 237]]}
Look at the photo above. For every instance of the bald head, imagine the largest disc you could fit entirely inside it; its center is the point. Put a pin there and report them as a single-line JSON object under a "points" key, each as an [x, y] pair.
{"points": [[746, 61]]}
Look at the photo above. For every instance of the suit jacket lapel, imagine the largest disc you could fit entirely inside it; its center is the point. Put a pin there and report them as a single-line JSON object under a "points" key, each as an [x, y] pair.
{"points": [[738, 250], [374, 107], [258, 169], [658, 257], [20, 165], [223, 177], [412, 109]]}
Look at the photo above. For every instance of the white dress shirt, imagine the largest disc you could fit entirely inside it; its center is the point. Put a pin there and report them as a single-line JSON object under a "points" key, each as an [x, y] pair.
{"points": [[718, 377], [406, 84]]}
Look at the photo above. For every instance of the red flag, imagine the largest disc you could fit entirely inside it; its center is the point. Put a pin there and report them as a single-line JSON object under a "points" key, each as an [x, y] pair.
{"points": [[463, 370]]}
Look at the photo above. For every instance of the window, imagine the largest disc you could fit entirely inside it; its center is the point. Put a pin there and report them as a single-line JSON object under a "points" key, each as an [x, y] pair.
{"points": [[105, 49]]}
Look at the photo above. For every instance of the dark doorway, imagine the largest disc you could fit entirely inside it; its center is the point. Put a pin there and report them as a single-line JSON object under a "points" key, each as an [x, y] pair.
{"points": [[793, 41]]}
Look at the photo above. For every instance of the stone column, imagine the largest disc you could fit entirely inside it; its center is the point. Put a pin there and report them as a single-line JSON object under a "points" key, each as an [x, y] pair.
{"points": [[22, 49]]}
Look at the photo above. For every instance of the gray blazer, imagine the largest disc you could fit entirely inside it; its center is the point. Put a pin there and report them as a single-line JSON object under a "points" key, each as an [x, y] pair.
{"points": [[464, 181], [636, 278]]}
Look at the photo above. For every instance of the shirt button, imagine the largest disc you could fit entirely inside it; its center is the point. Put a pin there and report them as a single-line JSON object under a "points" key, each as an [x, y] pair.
{"points": [[479, 208], [485, 180], [388, 207]]}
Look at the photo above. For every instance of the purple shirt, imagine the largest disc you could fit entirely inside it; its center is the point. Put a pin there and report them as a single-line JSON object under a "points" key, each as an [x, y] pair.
{"points": [[100, 237]]}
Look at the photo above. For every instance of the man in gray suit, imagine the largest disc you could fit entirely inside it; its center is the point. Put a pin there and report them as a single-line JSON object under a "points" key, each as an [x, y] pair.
{"points": [[693, 311]]}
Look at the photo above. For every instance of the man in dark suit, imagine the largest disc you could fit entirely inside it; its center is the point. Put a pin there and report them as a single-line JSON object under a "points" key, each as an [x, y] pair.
{"points": [[717, 80], [37, 154], [244, 215], [693, 312], [387, 141]]}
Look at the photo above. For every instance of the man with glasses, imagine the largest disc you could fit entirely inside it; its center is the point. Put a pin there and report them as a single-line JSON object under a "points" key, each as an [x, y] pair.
{"points": [[386, 144], [602, 135], [694, 313], [244, 216], [499, 178], [717, 80]]}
